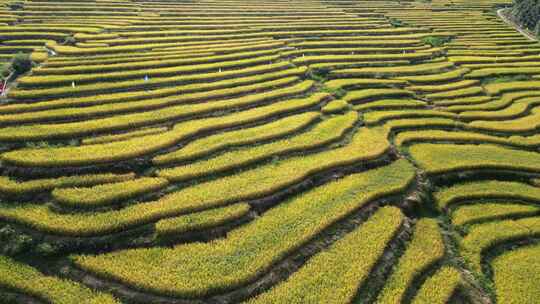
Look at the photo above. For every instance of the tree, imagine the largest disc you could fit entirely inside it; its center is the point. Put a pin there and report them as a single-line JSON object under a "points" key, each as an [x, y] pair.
{"points": [[19, 64], [527, 13]]}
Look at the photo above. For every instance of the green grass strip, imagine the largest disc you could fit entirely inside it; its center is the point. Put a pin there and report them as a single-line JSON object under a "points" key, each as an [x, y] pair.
{"points": [[210, 144], [141, 65], [360, 96], [334, 275], [398, 125], [375, 117], [307, 60], [457, 93], [335, 106], [137, 84], [439, 288], [367, 144], [527, 123], [516, 275], [201, 220], [188, 104], [138, 119], [199, 269], [326, 132], [119, 137], [349, 83], [418, 69], [496, 88], [481, 237], [55, 80], [465, 101], [490, 211], [101, 195], [109, 152], [443, 87], [444, 158], [515, 110], [495, 104], [190, 93], [436, 75], [390, 104], [9, 186], [491, 59], [445, 197], [405, 138], [498, 72], [28, 280], [425, 248]]}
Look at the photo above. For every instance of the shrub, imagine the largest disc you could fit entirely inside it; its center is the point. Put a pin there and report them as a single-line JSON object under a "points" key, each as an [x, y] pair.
{"points": [[436, 41], [21, 64], [396, 23]]}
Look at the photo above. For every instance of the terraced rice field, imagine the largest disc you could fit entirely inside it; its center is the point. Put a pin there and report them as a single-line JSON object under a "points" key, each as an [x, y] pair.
{"points": [[269, 152]]}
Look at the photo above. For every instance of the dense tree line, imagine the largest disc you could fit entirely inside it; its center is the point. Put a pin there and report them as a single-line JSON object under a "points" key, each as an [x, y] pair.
{"points": [[527, 14]]}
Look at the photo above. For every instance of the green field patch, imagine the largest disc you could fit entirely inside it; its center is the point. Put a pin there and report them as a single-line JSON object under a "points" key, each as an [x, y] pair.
{"points": [[465, 101], [482, 212], [102, 195], [169, 105], [504, 72], [124, 136], [13, 187], [390, 104], [335, 106], [127, 121], [504, 87], [105, 87], [448, 196], [201, 220], [482, 237], [446, 158], [28, 280], [516, 273], [335, 275], [406, 138], [443, 87], [251, 250], [517, 109], [457, 93], [326, 132], [58, 80], [397, 71], [367, 144], [215, 143], [377, 117], [528, 123], [436, 76], [191, 93], [360, 83], [78, 71], [422, 252], [440, 287], [115, 151], [362, 96]]}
